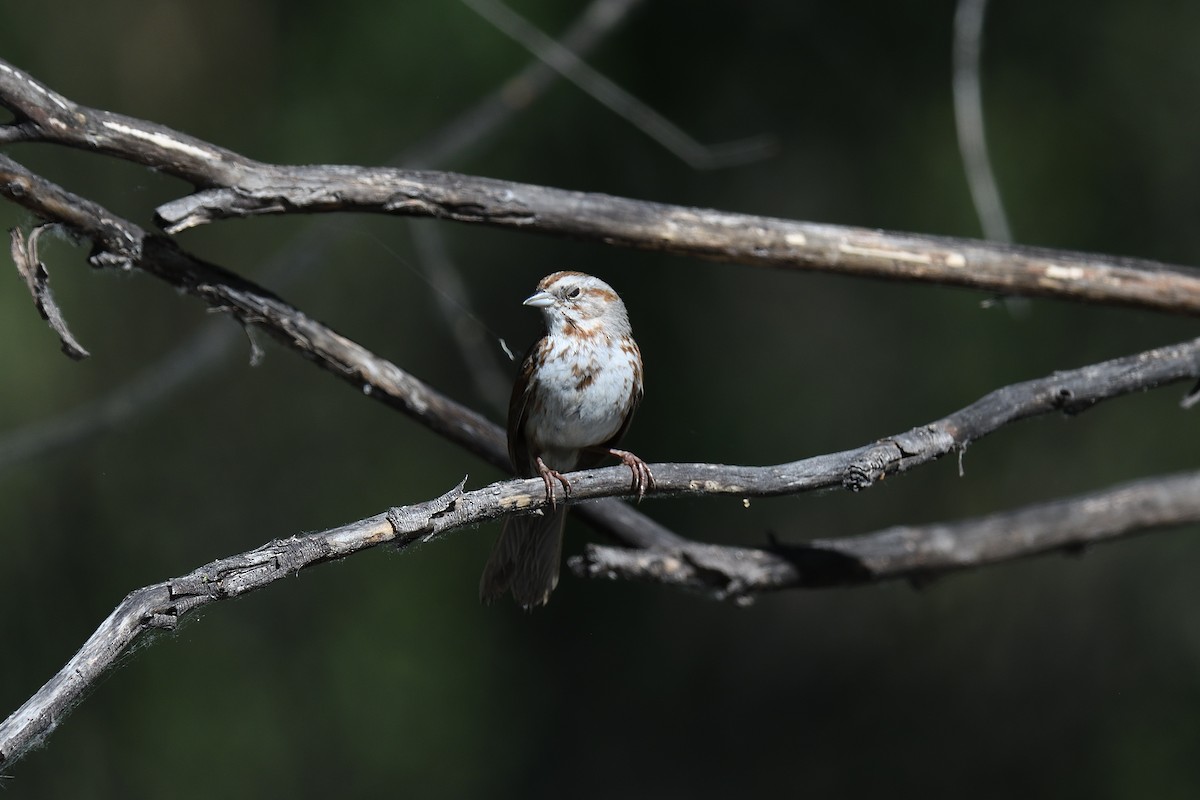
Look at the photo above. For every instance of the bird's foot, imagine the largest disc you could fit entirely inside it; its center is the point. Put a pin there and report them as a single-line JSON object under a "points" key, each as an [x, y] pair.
{"points": [[643, 478], [550, 475]]}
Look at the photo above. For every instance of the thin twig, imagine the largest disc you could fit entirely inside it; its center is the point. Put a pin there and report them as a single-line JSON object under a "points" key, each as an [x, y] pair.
{"points": [[598, 20], [915, 552], [968, 117], [37, 280], [478, 353], [568, 64]]}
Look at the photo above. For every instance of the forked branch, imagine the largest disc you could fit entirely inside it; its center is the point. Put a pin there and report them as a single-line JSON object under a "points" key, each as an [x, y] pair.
{"points": [[720, 571], [914, 552], [233, 185]]}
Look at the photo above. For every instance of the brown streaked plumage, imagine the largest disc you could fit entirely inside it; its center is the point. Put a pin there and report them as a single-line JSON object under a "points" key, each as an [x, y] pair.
{"points": [[573, 400]]}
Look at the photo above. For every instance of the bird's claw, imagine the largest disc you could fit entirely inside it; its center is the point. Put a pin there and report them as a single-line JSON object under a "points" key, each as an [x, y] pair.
{"points": [[643, 478], [550, 475]]}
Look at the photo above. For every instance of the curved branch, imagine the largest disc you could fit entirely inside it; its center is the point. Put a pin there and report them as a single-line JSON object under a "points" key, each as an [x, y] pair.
{"points": [[723, 572], [968, 119], [915, 552], [235, 186]]}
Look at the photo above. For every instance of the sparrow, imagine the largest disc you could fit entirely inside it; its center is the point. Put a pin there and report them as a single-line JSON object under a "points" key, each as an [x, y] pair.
{"points": [[572, 402]]}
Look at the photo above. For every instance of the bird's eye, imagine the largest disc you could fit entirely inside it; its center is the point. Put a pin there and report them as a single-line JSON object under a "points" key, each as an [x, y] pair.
{"points": [[573, 293]]}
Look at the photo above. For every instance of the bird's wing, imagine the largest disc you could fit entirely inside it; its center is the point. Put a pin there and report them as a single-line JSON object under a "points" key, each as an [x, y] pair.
{"points": [[518, 413]]}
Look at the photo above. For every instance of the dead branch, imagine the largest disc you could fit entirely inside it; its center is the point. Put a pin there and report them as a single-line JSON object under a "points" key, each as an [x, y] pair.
{"points": [[232, 185], [25, 256], [204, 349], [722, 572], [915, 552], [567, 63], [121, 243]]}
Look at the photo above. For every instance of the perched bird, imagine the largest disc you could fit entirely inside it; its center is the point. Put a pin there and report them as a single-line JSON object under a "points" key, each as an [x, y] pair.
{"points": [[573, 400]]}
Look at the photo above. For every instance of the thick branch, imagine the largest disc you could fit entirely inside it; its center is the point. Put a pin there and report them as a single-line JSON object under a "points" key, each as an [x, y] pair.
{"points": [[1070, 392], [235, 186], [917, 552], [721, 571], [702, 233]]}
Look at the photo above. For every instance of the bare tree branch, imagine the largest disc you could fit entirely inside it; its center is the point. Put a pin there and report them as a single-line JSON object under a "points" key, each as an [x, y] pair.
{"points": [[916, 552], [702, 233], [598, 20], [478, 354], [714, 235], [239, 186], [25, 256], [205, 348], [253, 188], [721, 571], [568, 64], [122, 243]]}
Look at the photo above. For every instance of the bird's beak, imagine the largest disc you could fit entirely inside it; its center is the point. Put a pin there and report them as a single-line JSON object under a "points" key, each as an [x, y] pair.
{"points": [[540, 300]]}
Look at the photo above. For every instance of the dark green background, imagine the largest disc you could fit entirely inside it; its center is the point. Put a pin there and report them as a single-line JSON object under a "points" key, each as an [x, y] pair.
{"points": [[1053, 677]]}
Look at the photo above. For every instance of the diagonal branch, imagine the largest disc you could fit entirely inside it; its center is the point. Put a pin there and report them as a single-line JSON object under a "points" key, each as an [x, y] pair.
{"points": [[594, 23], [235, 186], [206, 347], [733, 573], [568, 64], [122, 243], [722, 572], [915, 552]]}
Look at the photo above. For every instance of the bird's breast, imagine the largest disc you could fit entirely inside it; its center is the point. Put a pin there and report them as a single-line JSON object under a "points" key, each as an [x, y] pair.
{"points": [[583, 392]]}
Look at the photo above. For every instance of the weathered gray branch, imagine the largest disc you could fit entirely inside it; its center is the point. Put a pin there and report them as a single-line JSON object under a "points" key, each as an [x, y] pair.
{"points": [[232, 185], [308, 248], [29, 265], [163, 605], [118, 242], [723, 572], [916, 552]]}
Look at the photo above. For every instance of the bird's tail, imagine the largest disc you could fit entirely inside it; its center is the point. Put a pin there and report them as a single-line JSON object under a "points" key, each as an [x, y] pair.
{"points": [[525, 559]]}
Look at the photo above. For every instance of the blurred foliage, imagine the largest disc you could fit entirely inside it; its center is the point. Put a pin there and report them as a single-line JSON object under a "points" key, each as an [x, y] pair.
{"points": [[1053, 677]]}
